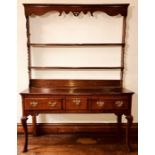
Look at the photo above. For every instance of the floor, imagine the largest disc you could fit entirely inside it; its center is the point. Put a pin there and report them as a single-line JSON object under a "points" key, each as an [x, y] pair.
{"points": [[76, 144]]}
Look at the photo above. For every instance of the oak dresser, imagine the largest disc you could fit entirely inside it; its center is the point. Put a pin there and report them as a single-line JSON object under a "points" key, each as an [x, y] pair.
{"points": [[76, 95]]}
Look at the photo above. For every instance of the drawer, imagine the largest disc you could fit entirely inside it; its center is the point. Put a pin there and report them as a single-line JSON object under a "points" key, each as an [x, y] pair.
{"points": [[43, 104], [101, 104], [76, 103]]}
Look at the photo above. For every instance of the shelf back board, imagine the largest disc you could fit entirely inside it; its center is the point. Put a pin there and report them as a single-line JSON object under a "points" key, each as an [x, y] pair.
{"points": [[63, 83]]}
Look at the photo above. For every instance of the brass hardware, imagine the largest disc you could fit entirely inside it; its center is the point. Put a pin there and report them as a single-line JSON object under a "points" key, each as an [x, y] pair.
{"points": [[119, 103], [100, 103], [77, 101], [52, 104], [33, 103]]}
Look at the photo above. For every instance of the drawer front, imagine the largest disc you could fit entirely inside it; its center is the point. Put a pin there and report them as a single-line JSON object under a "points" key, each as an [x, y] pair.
{"points": [[101, 104], [43, 104], [76, 103]]}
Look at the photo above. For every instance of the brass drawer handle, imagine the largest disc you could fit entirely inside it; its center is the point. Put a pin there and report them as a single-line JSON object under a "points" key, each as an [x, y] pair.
{"points": [[100, 103], [119, 103], [33, 103], [52, 104], [77, 101]]}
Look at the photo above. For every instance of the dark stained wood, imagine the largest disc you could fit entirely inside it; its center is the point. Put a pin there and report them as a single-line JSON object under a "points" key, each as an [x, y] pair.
{"points": [[112, 92], [34, 122], [56, 67], [28, 45], [111, 9], [119, 126], [123, 49], [24, 124], [101, 104], [75, 45], [75, 144], [128, 130], [55, 83], [76, 9], [104, 128], [43, 103], [76, 103], [71, 95]]}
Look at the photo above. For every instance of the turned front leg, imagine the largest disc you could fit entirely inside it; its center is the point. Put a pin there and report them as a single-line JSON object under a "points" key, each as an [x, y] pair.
{"points": [[34, 123], [119, 124], [128, 127], [24, 124]]}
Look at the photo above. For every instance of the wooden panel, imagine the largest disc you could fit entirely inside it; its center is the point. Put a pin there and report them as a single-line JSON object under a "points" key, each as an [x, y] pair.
{"points": [[75, 45], [43, 104], [76, 9], [73, 83], [87, 68], [97, 104], [76, 103], [49, 128]]}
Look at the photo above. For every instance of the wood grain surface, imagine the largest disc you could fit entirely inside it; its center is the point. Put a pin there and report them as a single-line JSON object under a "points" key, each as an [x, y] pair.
{"points": [[75, 144]]}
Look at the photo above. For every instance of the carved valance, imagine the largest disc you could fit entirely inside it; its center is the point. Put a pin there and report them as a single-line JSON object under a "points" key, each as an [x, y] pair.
{"points": [[76, 9]]}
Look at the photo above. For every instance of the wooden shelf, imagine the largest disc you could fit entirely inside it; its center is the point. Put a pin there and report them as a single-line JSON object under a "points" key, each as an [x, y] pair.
{"points": [[47, 68], [76, 10], [74, 45]]}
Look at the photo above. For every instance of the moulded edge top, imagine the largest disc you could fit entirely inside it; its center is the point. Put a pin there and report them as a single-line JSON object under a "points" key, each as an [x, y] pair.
{"points": [[59, 4], [70, 91]]}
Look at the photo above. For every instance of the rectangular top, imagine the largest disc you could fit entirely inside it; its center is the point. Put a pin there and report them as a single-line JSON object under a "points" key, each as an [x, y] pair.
{"points": [[76, 91]]}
